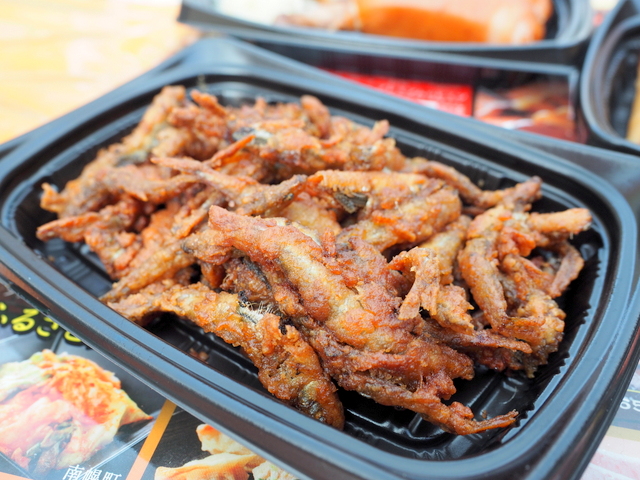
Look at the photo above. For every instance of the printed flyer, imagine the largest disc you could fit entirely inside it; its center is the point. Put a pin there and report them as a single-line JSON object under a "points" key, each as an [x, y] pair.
{"points": [[68, 413], [618, 456], [540, 105]]}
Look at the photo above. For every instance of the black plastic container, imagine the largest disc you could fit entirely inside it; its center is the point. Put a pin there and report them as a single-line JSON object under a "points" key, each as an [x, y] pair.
{"points": [[488, 74], [427, 66], [607, 85], [565, 409], [440, 65], [11, 145], [568, 32]]}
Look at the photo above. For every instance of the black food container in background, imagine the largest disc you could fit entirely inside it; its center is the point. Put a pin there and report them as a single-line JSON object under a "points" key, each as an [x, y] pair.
{"points": [[497, 78], [513, 77], [567, 34], [564, 410], [608, 79]]}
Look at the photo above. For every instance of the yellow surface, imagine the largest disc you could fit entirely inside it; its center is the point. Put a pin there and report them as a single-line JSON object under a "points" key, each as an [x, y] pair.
{"points": [[57, 55]]}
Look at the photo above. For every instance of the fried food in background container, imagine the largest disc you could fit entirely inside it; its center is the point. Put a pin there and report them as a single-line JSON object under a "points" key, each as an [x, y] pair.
{"points": [[332, 260], [506, 22], [59, 410]]}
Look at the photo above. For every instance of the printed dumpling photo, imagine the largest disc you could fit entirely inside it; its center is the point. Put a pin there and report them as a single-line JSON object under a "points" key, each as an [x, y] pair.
{"points": [[59, 410], [229, 460]]}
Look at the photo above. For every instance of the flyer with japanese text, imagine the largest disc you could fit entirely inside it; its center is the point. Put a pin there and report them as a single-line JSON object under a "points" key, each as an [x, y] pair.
{"points": [[68, 413]]}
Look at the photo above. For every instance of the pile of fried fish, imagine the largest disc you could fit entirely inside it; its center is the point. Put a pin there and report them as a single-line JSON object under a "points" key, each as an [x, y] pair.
{"points": [[329, 257]]}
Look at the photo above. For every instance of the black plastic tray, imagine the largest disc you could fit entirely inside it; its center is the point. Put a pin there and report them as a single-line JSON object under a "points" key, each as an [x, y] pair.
{"points": [[607, 84], [566, 409], [568, 32]]}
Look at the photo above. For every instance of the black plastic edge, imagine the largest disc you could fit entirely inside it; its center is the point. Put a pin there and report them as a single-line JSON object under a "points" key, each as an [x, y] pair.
{"points": [[567, 48], [270, 41], [624, 16]]}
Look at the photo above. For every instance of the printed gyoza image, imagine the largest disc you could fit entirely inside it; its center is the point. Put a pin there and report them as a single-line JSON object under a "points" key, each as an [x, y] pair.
{"points": [[59, 410]]}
